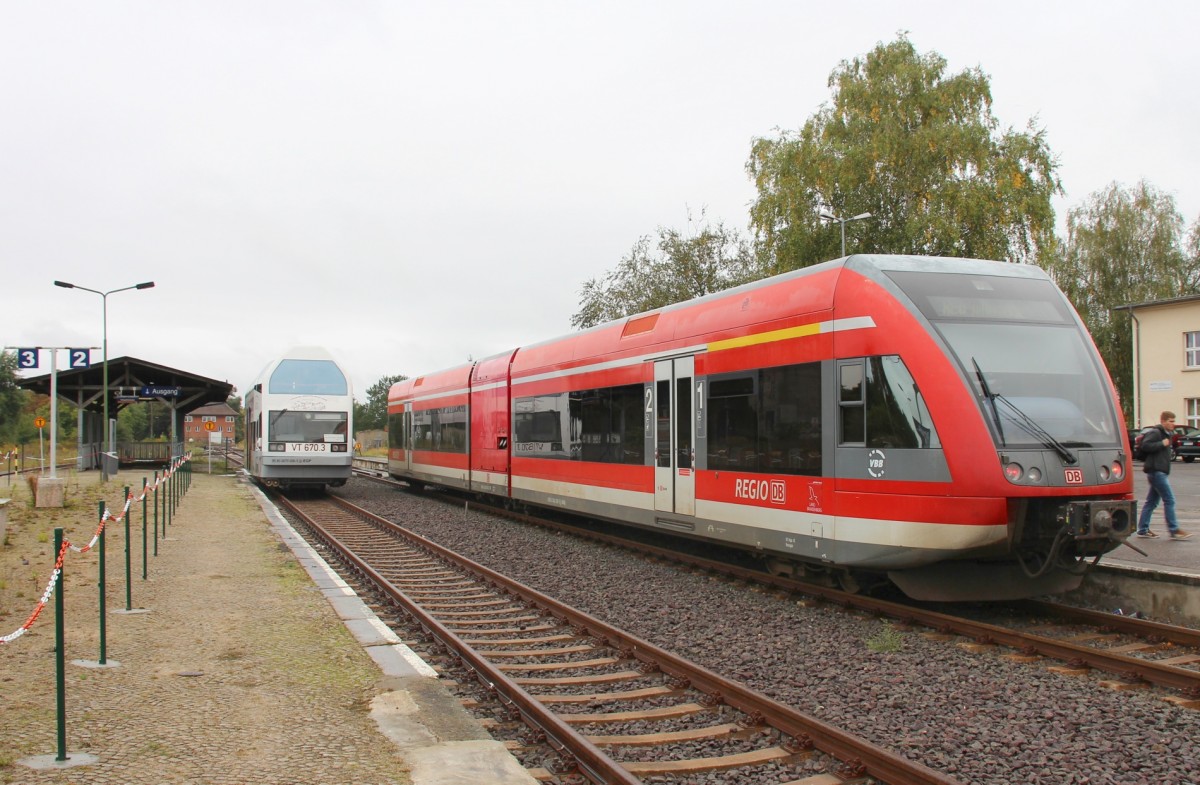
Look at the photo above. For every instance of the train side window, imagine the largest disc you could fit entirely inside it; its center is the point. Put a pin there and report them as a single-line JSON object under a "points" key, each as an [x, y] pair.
{"points": [[850, 400], [606, 425], [396, 431], [766, 420], [896, 413], [733, 421], [881, 406], [540, 423]]}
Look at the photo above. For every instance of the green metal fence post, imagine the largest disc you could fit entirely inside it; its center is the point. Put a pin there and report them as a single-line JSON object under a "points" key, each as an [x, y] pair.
{"points": [[103, 640], [156, 513], [128, 554], [144, 528], [60, 665]]}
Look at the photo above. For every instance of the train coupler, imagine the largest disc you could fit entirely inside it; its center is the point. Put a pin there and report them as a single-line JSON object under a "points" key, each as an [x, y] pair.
{"points": [[1099, 520]]}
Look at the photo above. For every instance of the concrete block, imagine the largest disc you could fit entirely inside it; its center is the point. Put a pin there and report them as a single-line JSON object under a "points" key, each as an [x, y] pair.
{"points": [[49, 491]]}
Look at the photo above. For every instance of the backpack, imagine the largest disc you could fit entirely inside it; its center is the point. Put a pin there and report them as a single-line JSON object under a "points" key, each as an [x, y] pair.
{"points": [[1138, 453]]}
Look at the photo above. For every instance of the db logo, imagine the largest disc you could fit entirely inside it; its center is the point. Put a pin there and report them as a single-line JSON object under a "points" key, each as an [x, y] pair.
{"points": [[1073, 476], [778, 492]]}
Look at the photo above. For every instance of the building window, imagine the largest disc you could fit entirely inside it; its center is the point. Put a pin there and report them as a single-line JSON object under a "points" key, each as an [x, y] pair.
{"points": [[1193, 412], [1191, 355], [187, 418]]}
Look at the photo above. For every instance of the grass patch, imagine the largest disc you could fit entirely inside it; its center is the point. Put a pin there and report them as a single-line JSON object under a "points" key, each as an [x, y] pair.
{"points": [[888, 639]]}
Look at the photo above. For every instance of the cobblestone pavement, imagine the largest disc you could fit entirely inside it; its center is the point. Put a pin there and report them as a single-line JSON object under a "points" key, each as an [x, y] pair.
{"points": [[240, 672]]}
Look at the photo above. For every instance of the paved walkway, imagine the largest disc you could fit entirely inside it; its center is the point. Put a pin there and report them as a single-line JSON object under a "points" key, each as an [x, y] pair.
{"points": [[239, 672]]}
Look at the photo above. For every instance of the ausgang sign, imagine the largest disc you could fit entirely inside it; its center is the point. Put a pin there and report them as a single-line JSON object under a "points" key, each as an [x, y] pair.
{"points": [[160, 392]]}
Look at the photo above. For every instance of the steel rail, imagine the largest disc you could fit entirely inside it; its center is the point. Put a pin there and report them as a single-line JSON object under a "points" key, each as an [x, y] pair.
{"points": [[599, 766], [875, 761], [1119, 665], [1180, 636]]}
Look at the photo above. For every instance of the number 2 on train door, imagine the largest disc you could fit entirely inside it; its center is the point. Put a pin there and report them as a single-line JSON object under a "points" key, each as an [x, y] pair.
{"points": [[675, 437]]}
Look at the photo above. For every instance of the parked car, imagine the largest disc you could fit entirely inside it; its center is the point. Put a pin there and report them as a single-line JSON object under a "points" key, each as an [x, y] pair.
{"points": [[1186, 441]]}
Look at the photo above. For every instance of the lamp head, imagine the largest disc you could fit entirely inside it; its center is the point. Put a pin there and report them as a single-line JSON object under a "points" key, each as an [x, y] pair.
{"points": [[146, 285], [64, 284]]}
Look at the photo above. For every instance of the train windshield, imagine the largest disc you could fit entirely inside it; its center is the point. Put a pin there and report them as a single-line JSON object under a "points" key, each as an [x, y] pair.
{"points": [[1036, 374], [306, 426], [308, 377]]}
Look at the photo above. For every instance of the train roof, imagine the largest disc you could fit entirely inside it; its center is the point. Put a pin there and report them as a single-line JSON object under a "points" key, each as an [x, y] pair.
{"points": [[296, 353], [704, 315]]}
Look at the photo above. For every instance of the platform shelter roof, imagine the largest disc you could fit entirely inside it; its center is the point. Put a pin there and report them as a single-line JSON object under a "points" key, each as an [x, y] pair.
{"points": [[129, 380]]}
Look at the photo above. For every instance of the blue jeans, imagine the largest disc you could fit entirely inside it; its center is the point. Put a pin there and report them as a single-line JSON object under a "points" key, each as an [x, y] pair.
{"points": [[1160, 488]]}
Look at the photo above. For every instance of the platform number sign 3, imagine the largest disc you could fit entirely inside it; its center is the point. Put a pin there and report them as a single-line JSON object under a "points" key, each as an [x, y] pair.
{"points": [[80, 358], [27, 358]]}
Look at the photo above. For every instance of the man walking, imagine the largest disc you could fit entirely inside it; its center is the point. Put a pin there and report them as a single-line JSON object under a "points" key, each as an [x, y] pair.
{"points": [[1156, 446]]}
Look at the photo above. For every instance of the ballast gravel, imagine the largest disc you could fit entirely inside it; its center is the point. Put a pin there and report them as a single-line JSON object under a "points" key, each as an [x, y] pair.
{"points": [[976, 717]]}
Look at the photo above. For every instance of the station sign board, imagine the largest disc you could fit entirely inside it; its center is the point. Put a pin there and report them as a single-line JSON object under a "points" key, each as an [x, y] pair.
{"points": [[158, 391]]}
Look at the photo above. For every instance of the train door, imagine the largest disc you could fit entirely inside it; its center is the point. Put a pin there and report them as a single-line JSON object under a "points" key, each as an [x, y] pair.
{"points": [[406, 419], [674, 436]]}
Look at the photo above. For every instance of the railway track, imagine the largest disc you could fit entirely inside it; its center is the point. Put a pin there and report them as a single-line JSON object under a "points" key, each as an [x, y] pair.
{"points": [[1135, 652], [612, 707]]}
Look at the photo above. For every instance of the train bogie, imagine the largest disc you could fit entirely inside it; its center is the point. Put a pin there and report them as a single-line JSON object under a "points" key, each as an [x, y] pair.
{"points": [[947, 423]]}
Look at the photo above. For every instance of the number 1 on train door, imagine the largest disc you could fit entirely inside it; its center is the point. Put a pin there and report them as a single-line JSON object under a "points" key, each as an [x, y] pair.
{"points": [[675, 437]]}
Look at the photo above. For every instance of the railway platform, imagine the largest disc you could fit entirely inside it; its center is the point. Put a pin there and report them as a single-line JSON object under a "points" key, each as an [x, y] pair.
{"points": [[251, 662], [1161, 578]]}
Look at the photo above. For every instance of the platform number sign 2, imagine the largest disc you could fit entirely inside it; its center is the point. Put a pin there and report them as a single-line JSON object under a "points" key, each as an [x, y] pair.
{"points": [[80, 358], [27, 358]]}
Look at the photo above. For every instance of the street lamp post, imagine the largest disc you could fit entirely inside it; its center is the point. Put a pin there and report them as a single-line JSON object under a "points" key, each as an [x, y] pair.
{"points": [[826, 215], [104, 392]]}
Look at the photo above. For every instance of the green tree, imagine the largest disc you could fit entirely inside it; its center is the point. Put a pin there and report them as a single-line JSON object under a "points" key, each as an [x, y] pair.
{"points": [[917, 148], [133, 423], [372, 415], [239, 424], [674, 269], [12, 400], [1124, 246]]}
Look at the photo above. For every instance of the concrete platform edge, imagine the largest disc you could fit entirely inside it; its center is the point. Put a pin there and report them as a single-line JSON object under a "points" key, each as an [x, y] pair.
{"points": [[441, 743]]}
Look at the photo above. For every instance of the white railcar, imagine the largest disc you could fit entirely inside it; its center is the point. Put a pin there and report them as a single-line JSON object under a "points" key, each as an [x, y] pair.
{"points": [[299, 421]]}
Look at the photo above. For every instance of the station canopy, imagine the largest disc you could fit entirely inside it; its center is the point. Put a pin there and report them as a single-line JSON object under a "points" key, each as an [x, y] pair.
{"points": [[131, 380]]}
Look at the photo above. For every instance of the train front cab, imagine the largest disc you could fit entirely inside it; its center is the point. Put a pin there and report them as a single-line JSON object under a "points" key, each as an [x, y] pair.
{"points": [[1028, 419]]}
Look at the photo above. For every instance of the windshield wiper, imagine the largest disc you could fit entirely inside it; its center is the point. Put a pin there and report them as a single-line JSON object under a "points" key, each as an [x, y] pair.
{"points": [[991, 397], [1030, 426], [1023, 421]]}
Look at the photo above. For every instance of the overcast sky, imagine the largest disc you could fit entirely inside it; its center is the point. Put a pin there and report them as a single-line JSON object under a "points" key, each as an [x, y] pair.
{"points": [[410, 184]]}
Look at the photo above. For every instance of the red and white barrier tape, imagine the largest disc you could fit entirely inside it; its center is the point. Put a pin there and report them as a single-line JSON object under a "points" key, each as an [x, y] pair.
{"points": [[58, 562], [54, 576]]}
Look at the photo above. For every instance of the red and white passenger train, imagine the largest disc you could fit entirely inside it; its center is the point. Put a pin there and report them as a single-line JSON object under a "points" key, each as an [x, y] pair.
{"points": [[946, 422]]}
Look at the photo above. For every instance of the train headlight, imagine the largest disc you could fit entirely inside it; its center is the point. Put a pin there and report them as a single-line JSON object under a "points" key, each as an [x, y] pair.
{"points": [[275, 447], [1034, 474], [1118, 470], [1105, 473], [1014, 471]]}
